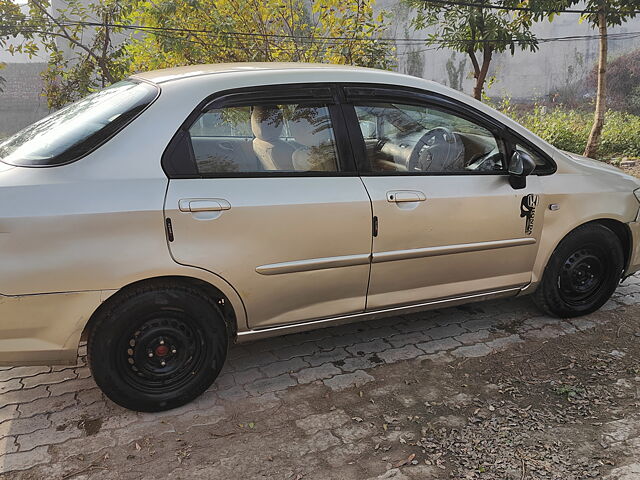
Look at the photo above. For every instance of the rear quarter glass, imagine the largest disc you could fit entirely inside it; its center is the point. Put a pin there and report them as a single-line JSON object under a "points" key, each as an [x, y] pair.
{"points": [[79, 128]]}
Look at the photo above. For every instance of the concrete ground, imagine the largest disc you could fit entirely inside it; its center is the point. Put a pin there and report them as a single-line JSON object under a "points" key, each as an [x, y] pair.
{"points": [[491, 390]]}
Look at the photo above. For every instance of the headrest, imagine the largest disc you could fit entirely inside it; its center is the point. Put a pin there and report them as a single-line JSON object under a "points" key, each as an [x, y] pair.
{"points": [[266, 122], [311, 126]]}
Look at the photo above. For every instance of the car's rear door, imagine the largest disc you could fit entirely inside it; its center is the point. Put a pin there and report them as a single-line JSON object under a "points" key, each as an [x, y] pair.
{"points": [[444, 229], [284, 218]]}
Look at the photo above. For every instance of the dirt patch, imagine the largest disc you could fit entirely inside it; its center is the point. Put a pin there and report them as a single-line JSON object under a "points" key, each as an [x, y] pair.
{"points": [[90, 426], [563, 407]]}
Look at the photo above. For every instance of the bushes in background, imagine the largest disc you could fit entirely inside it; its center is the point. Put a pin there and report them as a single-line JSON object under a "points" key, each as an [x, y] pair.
{"points": [[623, 82], [569, 129]]}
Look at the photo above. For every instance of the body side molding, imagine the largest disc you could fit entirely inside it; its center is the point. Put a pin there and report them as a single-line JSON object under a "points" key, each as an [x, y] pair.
{"points": [[257, 334]]}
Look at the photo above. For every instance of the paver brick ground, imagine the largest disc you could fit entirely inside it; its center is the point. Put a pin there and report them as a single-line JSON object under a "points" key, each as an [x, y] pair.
{"points": [[333, 403]]}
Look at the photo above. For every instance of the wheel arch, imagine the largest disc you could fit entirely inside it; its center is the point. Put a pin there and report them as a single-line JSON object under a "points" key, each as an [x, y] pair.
{"points": [[617, 226], [622, 231], [230, 315]]}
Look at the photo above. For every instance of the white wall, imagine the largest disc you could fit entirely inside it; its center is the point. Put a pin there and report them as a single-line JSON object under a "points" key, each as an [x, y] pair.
{"points": [[524, 75]]}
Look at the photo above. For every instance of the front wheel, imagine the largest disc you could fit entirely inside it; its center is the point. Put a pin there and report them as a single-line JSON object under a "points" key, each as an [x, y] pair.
{"points": [[582, 274], [157, 347]]}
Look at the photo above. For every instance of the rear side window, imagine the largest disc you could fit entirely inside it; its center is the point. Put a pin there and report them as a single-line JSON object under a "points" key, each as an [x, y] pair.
{"points": [[77, 129], [264, 138]]}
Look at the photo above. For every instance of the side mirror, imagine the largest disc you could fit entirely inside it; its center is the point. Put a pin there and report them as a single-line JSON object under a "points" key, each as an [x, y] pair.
{"points": [[520, 166]]}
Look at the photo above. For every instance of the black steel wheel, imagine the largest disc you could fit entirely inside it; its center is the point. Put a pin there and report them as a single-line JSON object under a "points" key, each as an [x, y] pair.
{"points": [[157, 347], [583, 272]]}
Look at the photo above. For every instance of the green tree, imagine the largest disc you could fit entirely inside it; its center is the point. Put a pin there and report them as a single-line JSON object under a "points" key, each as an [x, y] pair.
{"points": [[475, 31], [79, 39], [211, 31], [11, 17], [606, 13], [601, 14], [455, 73]]}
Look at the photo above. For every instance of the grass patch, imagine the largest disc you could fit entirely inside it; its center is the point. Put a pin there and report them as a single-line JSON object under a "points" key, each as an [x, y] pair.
{"points": [[569, 129]]}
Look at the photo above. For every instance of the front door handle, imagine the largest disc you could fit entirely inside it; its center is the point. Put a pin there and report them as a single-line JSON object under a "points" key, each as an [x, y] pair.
{"points": [[203, 205], [402, 196]]}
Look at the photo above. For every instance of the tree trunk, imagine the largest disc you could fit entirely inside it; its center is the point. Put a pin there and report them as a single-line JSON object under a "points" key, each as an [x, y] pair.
{"points": [[480, 72], [601, 98]]}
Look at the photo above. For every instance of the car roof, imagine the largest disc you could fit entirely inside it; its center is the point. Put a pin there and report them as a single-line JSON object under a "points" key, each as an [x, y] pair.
{"points": [[177, 73]]}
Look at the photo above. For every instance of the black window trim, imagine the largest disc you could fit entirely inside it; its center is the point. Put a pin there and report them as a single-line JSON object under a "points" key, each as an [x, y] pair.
{"points": [[352, 92], [310, 93], [512, 138]]}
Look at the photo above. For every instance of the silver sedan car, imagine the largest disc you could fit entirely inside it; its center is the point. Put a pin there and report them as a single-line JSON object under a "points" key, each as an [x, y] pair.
{"points": [[180, 210]]}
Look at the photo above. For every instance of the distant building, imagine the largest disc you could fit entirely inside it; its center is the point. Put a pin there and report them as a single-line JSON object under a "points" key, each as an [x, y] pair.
{"points": [[22, 102]]}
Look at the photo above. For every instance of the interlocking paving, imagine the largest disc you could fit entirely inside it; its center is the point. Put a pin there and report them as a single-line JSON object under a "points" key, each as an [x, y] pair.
{"points": [[45, 408]]}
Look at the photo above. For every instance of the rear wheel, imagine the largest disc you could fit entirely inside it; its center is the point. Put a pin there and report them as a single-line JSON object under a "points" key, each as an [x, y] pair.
{"points": [[157, 347], [582, 274]]}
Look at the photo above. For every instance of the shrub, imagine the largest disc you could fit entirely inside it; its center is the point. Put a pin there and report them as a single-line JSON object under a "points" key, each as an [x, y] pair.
{"points": [[623, 82], [569, 130]]}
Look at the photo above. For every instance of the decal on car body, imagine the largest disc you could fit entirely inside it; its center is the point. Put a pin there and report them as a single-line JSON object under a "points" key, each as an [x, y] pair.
{"points": [[528, 210]]}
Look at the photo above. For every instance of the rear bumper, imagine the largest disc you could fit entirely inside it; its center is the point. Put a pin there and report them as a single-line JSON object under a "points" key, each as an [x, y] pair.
{"points": [[634, 261], [44, 329]]}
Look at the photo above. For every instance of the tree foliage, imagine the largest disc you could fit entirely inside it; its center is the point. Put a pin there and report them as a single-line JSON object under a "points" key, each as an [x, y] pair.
{"points": [[601, 15], [79, 39], [475, 31], [198, 31], [607, 13], [95, 43], [10, 18]]}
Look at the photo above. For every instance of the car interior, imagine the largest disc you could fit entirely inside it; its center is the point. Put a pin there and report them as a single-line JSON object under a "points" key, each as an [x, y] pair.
{"points": [[404, 138], [299, 138], [288, 138]]}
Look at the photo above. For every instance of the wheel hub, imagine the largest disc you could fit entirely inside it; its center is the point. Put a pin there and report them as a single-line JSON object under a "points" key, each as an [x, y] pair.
{"points": [[161, 353], [162, 350], [583, 273]]}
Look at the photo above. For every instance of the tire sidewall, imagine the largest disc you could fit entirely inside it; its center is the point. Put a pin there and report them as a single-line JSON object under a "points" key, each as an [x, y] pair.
{"points": [[600, 235], [105, 338]]}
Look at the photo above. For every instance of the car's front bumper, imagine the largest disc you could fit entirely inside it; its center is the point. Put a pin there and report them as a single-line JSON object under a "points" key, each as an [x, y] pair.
{"points": [[44, 329], [634, 261]]}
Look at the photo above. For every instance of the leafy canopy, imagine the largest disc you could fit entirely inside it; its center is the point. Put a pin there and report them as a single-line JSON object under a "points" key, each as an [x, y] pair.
{"points": [[473, 29], [199, 31]]}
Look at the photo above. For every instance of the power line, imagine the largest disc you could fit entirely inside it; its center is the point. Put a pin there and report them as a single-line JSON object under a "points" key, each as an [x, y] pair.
{"points": [[304, 38], [514, 8]]}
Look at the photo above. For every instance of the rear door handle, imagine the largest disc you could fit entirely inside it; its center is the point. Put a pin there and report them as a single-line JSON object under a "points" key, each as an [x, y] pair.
{"points": [[402, 196], [203, 205]]}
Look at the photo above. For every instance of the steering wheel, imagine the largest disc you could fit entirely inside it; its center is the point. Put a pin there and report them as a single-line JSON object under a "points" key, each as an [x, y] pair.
{"points": [[435, 145], [487, 162]]}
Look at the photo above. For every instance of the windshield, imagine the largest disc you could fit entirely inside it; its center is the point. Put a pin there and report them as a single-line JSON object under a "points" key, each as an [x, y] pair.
{"points": [[75, 130]]}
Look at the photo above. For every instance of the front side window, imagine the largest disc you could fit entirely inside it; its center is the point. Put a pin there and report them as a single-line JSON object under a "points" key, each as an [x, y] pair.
{"points": [[264, 138], [77, 129], [404, 138]]}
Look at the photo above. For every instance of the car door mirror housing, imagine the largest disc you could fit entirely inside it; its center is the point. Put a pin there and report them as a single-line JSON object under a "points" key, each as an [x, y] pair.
{"points": [[521, 165]]}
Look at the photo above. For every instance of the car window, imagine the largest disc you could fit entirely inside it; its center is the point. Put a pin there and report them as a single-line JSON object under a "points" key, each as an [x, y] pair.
{"points": [[419, 139], [77, 129], [264, 138]]}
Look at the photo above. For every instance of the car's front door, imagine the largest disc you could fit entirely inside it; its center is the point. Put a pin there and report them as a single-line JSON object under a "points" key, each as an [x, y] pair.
{"points": [[448, 221], [273, 204]]}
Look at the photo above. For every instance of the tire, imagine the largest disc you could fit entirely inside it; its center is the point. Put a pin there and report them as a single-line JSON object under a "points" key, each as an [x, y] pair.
{"points": [[582, 273], [157, 346]]}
